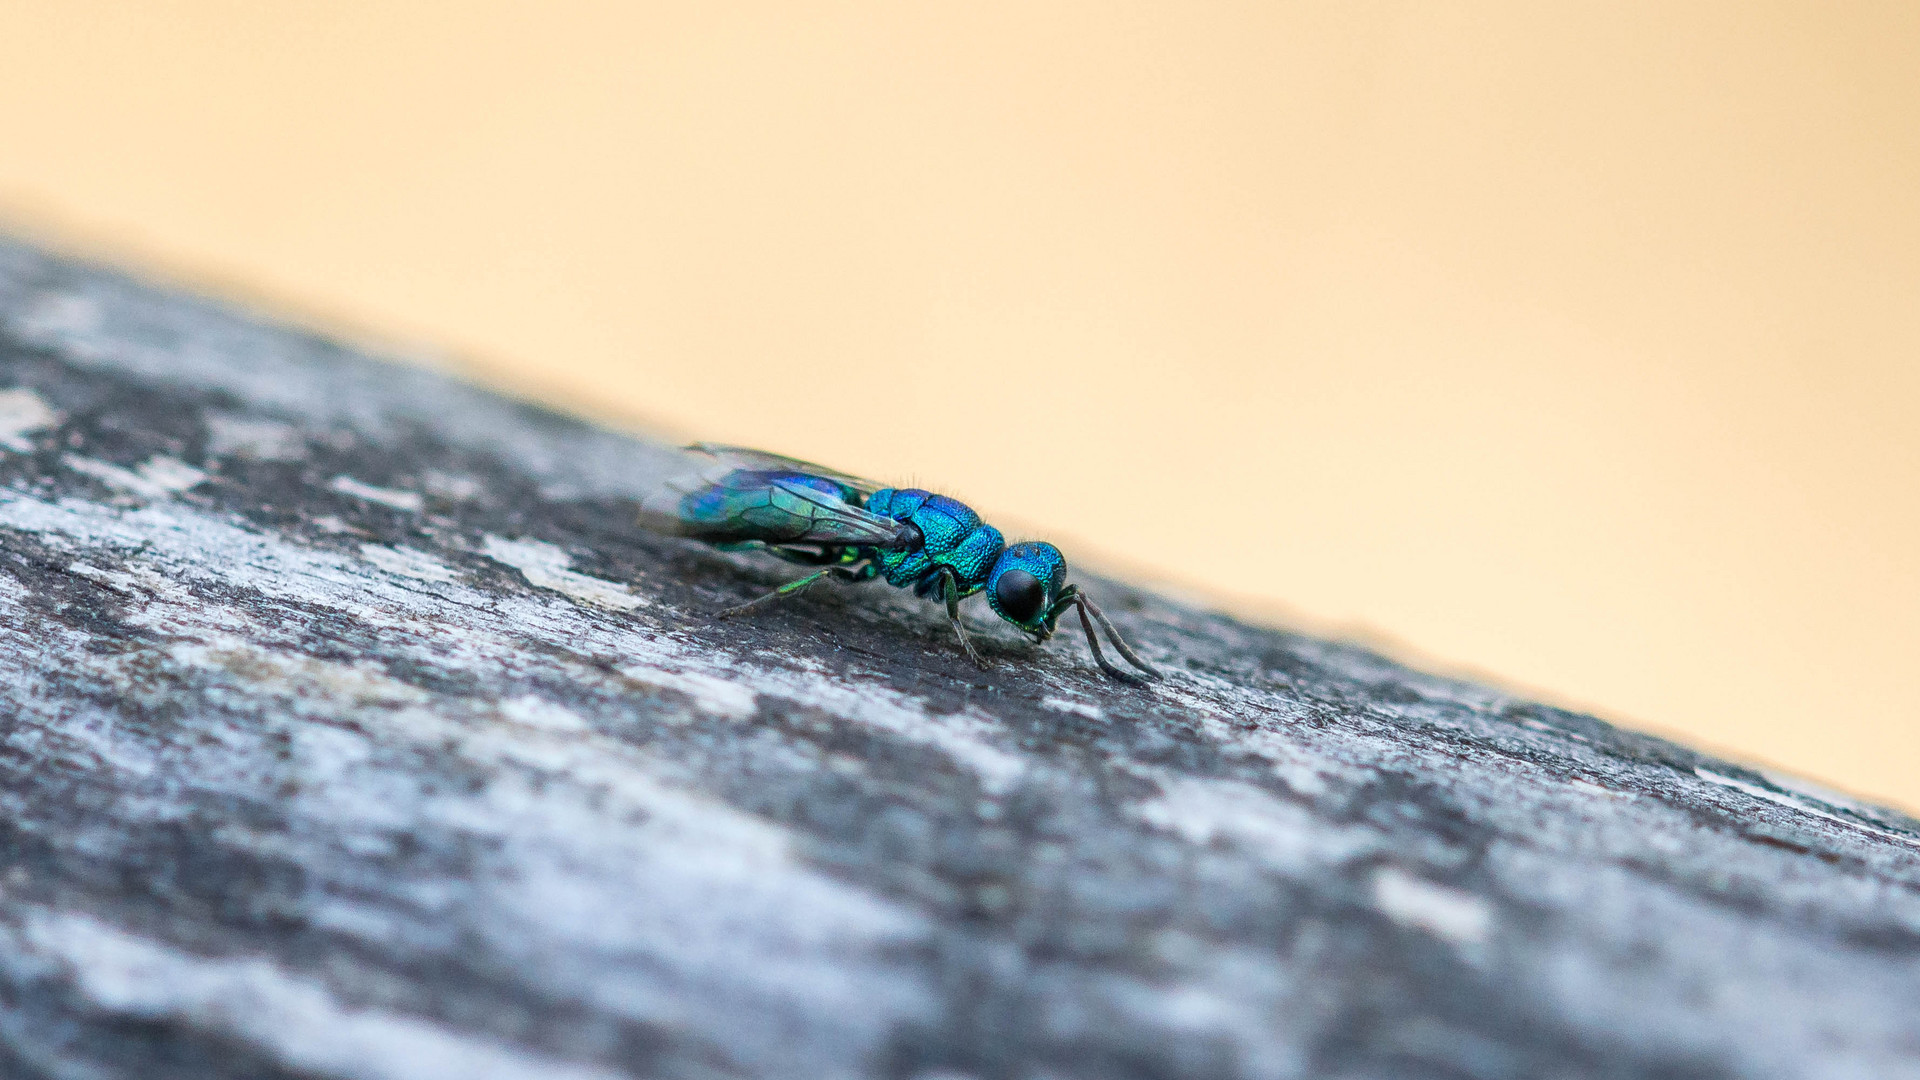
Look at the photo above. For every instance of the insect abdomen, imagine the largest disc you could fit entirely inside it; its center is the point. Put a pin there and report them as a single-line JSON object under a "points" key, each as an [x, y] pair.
{"points": [[954, 536]]}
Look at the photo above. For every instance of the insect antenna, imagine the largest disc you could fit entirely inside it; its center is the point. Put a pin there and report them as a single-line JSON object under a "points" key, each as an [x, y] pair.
{"points": [[1087, 607]]}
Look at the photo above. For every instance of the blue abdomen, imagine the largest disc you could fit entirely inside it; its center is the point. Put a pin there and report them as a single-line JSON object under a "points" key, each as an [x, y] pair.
{"points": [[954, 536]]}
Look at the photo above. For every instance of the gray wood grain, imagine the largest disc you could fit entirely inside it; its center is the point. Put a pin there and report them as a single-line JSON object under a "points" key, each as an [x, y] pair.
{"points": [[348, 729]]}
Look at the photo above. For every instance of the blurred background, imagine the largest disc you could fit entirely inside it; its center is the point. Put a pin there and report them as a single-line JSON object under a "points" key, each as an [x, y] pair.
{"points": [[1572, 345]]}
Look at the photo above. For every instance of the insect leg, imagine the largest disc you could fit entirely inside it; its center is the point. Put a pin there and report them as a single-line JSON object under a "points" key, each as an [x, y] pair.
{"points": [[951, 590], [791, 588], [826, 555]]}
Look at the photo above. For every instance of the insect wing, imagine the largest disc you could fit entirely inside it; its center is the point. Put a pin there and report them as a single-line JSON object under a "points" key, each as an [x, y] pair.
{"points": [[733, 498], [743, 457], [783, 508]]}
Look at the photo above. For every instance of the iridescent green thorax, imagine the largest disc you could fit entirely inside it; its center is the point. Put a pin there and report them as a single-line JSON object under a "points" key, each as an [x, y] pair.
{"points": [[953, 536]]}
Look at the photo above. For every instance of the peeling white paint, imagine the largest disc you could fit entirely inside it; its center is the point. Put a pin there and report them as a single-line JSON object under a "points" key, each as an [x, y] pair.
{"points": [[60, 314], [1548, 729], [254, 439], [1074, 707], [545, 567], [399, 500], [1800, 785], [408, 563], [723, 697], [295, 1018], [21, 414], [450, 486], [1284, 835], [170, 475], [155, 478], [1414, 902], [968, 737], [134, 582], [313, 687], [539, 713], [1306, 772], [1792, 803], [1595, 790]]}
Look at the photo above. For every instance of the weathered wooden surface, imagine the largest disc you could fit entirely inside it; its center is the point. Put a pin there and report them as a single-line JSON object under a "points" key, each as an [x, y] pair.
{"points": [[349, 730]]}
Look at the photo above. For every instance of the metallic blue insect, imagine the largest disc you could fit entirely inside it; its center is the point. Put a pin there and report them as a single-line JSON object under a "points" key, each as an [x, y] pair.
{"points": [[856, 530]]}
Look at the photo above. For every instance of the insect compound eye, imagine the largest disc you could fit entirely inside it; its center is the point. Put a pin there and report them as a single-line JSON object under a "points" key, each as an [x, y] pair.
{"points": [[1020, 595]]}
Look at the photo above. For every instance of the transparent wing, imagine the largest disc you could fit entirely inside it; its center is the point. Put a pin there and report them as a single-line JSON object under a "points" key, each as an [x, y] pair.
{"points": [[738, 496], [742, 457]]}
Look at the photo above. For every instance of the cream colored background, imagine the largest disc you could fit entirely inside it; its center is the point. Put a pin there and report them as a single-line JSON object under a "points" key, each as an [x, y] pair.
{"points": [[1578, 344]]}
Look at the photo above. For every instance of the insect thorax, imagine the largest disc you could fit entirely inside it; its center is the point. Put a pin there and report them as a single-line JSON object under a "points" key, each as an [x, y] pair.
{"points": [[953, 535]]}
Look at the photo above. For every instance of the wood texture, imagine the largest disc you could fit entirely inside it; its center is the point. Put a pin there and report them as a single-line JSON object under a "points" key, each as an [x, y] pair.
{"points": [[348, 729]]}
